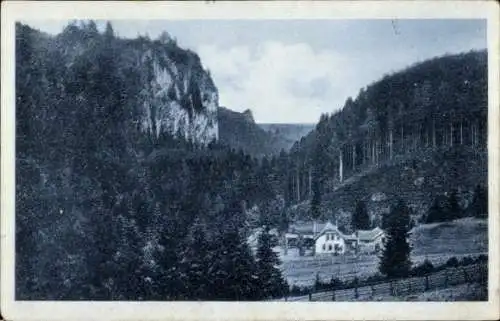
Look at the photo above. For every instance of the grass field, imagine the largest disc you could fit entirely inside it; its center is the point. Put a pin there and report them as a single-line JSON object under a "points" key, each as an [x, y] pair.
{"points": [[463, 292], [437, 242]]}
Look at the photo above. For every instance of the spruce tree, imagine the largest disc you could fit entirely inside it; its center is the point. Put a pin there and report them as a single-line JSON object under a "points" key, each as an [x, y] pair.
{"points": [[395, 260], [360, 217], [233, 271], [435, 212], [318, 166], [269, 275], [315, 205], [316, 200], [195, 265], [479, 205], [452, 207]]}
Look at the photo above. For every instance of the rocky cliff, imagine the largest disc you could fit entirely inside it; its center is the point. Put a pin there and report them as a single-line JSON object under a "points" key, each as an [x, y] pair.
{"points": [[179, 97], [154, 84]]}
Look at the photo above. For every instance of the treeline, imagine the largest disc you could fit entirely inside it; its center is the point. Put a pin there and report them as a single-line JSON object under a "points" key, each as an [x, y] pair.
{"points": [[438, 104], [107, 211], [447, 207]]}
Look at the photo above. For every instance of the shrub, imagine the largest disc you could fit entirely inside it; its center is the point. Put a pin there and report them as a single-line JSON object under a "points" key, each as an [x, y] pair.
{"points": [[335, 283], [423, 269], [375, 278], [452, 262], [296, 290], [467, 260], [482, 258], [320, 285]]}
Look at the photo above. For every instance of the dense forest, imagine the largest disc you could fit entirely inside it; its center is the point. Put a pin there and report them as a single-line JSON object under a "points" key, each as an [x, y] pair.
{"points": [[126, 189], [108, 208], [434, 112], [240, 131]]}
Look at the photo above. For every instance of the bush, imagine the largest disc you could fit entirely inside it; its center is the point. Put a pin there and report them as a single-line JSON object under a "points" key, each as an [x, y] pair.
{"points": [[296, 290], [482, 258], [320, 285], [467, 260], [375, 278], [335, 283], [452, 262], [423, 269]]}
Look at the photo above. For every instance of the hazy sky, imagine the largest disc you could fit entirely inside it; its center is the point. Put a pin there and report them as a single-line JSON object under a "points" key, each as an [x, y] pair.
{"points": [[291, 71]]}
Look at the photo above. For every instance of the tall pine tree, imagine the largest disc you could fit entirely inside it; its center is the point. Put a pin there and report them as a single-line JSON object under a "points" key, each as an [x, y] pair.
{"points": [[395, 260], [360, 217], [479, 204], [233, 273], [435, 212], [269, 275], [195, 265], [453, 209]]}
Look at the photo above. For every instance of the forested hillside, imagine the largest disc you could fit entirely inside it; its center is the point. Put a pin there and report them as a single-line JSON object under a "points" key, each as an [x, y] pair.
{"points": [[133, 184], [241, 132], [414, 134], [122, 191], [287, 134]]}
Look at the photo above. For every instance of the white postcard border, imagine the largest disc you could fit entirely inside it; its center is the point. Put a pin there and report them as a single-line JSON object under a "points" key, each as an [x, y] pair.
{"points": [[37, 310]]}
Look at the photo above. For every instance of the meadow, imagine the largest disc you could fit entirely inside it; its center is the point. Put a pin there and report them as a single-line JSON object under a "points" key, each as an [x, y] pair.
{"points": [[436, 242]]}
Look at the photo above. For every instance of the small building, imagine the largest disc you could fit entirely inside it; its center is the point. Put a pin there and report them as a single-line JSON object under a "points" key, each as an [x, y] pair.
{"points": [[370, 241], [330, 240], [326, 238]]}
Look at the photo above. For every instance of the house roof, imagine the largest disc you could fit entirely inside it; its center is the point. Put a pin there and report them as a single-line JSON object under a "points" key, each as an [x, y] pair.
{"points": [[306, 227], [329, 227], [368, 235], [322, 228]]}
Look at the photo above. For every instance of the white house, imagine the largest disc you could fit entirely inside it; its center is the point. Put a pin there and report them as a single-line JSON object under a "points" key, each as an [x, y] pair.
{"points": [[330, 240]]}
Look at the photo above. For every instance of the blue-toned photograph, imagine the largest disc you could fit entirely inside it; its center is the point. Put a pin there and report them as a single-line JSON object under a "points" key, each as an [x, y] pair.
{"points": [[251, 160]]}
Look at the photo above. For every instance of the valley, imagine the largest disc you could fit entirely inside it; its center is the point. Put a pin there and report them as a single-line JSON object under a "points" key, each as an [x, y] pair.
{"points": [[436, 242], [134, 182]]}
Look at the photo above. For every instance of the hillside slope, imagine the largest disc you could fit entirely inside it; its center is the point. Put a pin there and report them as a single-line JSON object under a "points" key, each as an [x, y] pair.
{"points": [[154, 84], [117, 169], [288, 134], [416, 134], [239, 131]]}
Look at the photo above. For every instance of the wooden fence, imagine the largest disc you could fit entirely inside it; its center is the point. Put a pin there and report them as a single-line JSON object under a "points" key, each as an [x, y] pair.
{"points": [[476, 273]]}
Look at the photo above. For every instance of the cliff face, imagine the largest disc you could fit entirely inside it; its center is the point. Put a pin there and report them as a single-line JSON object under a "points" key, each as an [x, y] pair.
{"points": [[151, 83], [178, 99]]}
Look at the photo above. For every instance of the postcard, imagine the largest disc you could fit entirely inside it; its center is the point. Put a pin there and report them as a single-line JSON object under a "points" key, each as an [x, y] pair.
{"points": [[250, 160]]}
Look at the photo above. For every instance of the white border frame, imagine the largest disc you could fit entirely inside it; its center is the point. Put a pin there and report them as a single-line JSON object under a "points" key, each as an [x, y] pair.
{"points": [[37, 310]]}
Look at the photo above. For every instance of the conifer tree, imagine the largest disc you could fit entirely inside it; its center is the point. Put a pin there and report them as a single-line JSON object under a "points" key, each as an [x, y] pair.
{"points": [[360, 217], [479, 204], [435, 212], [395, 260], [195, 265], [233, 272], [452, 208], [316, 200], [269, 275]]}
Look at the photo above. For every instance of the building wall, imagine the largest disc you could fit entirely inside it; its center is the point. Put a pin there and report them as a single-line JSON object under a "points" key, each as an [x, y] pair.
{"points": [[324, 245], [371, 247]]}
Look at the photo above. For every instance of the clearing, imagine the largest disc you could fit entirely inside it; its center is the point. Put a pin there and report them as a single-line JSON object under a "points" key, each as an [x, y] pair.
{"points": [[437, 242]]}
